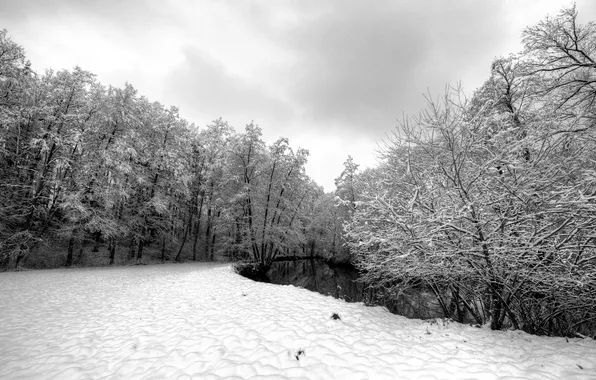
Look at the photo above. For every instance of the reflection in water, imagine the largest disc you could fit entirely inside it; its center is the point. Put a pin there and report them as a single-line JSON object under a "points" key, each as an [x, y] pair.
{"points": [[341, 282], [336, 281]]}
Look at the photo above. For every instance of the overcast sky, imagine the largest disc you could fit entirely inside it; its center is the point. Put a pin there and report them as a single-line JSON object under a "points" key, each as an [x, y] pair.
{"points": [[333, 76]]}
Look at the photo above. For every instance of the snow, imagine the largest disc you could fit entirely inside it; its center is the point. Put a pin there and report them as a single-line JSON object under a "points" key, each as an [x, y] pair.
{"points": [[203, 321]]}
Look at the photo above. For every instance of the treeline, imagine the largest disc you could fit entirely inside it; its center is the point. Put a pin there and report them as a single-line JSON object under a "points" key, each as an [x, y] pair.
{"points": [[82, 163], [493, 197]]}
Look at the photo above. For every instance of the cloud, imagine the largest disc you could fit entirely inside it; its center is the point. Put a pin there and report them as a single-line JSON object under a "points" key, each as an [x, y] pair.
{"points": [[333, 76], [360, 66], [204, 90], [124, 14]]}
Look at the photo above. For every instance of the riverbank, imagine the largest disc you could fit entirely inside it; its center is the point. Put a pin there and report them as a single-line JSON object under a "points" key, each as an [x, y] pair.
{"points": [[204, 321]]}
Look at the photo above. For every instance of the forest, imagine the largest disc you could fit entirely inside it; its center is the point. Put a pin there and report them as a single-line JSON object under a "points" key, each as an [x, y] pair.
{"points": [[488, 200], [85, 164]]}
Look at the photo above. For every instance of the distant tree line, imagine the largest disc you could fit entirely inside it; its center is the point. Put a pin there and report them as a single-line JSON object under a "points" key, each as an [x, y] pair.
{"points": [[493, 197], [85, 164]]}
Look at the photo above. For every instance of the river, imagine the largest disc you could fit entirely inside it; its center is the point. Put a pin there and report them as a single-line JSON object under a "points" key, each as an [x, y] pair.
{"points": [[341, 281]]}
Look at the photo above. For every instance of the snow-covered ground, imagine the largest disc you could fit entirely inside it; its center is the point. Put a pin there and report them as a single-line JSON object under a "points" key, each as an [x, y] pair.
{"points": [[202, 321]]}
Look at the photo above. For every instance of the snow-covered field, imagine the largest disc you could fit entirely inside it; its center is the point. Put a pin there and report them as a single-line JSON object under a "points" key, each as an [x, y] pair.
{"points": [[203, 321]]}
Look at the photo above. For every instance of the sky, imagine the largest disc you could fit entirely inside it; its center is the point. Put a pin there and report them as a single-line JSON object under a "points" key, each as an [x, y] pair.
{"points": [[334, 77]]}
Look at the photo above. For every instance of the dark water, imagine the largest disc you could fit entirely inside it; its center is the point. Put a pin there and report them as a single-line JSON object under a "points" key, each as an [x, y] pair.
{"points": [[341, 282], [316, 275]]}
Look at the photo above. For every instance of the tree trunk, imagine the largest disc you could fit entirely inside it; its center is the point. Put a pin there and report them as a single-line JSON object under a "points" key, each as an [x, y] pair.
{"points": [[196, 240], [188, 227], [96, 241], [20, 256], [495, 307], [69, 255], [264, 234], [140, 250], [112, 251], [80, 256], [212, 252], [133, 245], [207, 235], [197, 229]]}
